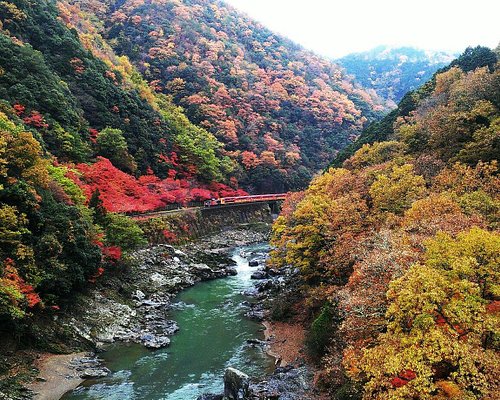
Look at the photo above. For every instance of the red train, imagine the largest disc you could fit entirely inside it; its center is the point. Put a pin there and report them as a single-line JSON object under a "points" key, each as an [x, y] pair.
{"points": [[245, 199]]}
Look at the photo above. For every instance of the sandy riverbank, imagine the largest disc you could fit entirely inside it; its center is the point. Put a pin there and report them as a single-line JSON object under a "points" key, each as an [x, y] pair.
{"points": [[286, 341], [57, 376]]}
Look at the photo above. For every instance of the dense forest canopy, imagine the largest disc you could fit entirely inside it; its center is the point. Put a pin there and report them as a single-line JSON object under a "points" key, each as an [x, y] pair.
{"points": [[382, 130], [130, 106], [108, 107], [400, 244], [280, 111]]}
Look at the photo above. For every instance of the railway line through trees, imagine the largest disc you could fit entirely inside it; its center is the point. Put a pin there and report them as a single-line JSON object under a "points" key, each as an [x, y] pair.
{"points": [[274, 200]]}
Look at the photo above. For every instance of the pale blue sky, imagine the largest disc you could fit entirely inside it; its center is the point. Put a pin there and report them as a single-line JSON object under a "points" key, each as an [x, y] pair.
{"points": [[335, 28]]}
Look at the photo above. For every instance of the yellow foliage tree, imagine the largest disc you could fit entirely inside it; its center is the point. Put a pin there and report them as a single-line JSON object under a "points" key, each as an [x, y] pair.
{"points": [[396, 191], [443, 331]]}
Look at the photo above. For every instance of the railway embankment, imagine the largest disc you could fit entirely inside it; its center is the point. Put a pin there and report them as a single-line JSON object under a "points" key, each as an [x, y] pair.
{"points": [[189, 224]]}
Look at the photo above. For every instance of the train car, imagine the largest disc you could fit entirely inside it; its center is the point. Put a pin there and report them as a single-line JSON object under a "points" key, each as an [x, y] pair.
{"points": [[212, 202], [245, 199]]}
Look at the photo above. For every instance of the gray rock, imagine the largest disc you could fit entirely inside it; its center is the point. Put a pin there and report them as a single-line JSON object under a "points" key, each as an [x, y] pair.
{"points": [[211, 397], [260, 274], [174, 283], [138, 295], [158, 280], [286, 383], [154, 342], [253, 263], [99, 372], [236, 384], [201, 267], [256, 342], [180, 253]]}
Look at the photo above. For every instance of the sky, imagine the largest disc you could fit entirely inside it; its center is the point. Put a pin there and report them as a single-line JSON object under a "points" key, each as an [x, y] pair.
{"points": [[335, 28]]}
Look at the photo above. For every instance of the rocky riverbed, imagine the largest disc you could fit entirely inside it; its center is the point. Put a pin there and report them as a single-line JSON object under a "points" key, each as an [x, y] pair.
{"points": [[293, 378], [135, 307]]}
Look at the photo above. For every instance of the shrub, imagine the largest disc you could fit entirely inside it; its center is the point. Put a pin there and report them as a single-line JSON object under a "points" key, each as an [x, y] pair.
{"points": [[123, 232], [321, 332]]}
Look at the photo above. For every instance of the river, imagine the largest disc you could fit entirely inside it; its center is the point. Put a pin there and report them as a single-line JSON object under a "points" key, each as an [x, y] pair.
{"points": [[213, 335]]}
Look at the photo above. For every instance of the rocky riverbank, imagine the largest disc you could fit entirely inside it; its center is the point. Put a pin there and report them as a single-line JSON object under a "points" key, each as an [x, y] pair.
{"points": [[134, 305]]}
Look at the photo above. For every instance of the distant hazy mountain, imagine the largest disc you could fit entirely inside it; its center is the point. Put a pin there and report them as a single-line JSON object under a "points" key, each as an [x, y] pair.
{"points": [[392, 72]]}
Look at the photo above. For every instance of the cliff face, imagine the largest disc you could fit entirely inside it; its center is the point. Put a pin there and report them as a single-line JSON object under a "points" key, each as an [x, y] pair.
{"points": [[187, 225]]}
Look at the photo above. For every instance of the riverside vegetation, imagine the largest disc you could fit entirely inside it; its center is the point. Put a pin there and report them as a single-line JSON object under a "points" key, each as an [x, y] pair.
{"points": [[399, 248], [87, 133]]}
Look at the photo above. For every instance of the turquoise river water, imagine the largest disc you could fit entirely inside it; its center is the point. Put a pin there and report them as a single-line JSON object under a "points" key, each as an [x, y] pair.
{"points": [[213, 334]]}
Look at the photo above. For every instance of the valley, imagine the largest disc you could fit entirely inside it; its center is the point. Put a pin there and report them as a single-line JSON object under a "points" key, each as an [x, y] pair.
{"points": [[193, 206]]}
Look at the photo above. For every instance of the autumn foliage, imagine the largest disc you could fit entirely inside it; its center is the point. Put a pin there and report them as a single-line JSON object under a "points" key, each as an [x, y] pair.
{"points": [[279, 111], [404, 241], [121, 192], [16, 296]]}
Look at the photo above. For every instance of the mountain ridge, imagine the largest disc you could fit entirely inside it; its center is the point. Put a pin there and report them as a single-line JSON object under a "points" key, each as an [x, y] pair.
{"points": [[394, 71]]}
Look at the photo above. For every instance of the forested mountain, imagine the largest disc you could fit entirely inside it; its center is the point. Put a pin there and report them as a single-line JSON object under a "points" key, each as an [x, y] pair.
{"points": [[115, 106], [394, 71], [381, 130], [87, 131], [399, 248], [280, 111]]}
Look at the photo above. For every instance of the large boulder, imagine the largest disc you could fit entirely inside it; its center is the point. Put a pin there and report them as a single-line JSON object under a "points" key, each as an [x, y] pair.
{"points": [[236, 384], [260, 274], [211, 397]]}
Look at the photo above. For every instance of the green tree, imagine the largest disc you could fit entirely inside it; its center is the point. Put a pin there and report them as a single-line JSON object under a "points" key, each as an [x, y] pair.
{"points": [[96, 204], [112, 144], [124, 232], [321, 331]]}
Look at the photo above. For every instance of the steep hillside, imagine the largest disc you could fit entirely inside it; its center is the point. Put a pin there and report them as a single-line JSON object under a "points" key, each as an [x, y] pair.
{"points": [[81, 136], [280, 111], [85, 134], [48, 72], [393, 72], [398, 249], [384, 129]]}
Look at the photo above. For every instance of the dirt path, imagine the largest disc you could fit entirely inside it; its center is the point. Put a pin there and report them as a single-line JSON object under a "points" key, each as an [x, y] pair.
{"points": [[56, 376]]}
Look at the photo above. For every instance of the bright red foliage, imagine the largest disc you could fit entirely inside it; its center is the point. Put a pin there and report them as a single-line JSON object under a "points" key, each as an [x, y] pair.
{"points": [[112, 253], [170, 237], [121, 192], [408, 375], [11, 274], [35, 119], [398, 382], [19, 109], [403, 378], [93, 135]]}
